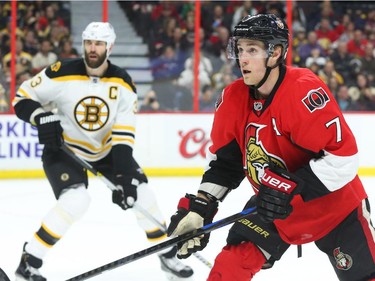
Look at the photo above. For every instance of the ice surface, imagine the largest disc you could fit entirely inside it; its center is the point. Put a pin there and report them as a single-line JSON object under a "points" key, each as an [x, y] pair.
{"points": [[106, 233]]}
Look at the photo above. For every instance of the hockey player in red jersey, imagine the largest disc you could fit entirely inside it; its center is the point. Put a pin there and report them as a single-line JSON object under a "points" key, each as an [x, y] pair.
{"points": [[281, 128], [89, 104]]}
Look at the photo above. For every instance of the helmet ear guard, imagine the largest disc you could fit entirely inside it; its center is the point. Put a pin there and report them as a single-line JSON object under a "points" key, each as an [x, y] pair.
{"points": [[100, 31]]}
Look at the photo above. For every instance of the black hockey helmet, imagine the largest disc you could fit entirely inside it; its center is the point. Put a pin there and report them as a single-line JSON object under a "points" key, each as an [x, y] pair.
{"points": [[268, 28]]}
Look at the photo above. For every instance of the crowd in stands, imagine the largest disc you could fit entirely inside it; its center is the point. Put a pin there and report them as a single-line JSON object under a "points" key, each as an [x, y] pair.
{"points": [[42, 37], [335, 39]]}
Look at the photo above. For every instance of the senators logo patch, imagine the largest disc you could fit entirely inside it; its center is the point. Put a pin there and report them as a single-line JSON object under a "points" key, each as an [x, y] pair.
{"points": [[316, 99], [343, 261]]}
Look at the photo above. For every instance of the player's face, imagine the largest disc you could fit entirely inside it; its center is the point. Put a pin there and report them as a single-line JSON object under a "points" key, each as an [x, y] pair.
{"points": [[95, 53], [251, 56]]}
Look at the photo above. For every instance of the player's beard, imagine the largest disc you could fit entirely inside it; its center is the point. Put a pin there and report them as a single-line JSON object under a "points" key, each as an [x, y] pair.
{"points": [[97, 62]]}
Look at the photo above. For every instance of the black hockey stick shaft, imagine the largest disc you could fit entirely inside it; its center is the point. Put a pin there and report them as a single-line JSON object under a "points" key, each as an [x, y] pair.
{"points": [[158, 247], [112, 186], [3, 276]]}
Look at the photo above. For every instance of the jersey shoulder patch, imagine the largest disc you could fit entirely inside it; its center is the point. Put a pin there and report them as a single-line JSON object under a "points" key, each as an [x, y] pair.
{"points": [[67, 67]]}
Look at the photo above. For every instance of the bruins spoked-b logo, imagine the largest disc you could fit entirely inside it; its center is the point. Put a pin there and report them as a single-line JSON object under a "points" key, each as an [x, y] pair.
{"points": [[91, 113]]}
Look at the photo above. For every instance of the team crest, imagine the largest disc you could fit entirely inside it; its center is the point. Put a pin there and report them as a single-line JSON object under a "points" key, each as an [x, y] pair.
{"points": [[91, 113], [343, 261], [56, 66], [279, 23], [257, 157], [316, 99]]}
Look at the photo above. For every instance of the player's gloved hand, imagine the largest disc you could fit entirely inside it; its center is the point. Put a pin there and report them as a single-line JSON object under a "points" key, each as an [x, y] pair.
{"points": [[126, 193], [276, 191], [192, 213], [49, 130]]}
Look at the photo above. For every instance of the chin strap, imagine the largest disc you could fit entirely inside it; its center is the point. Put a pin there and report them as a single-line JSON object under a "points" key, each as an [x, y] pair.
{"points": [[265, 77]]}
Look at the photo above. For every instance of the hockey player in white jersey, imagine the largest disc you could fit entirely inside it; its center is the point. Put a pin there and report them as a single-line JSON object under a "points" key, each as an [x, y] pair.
{"points": [[89, 105]]}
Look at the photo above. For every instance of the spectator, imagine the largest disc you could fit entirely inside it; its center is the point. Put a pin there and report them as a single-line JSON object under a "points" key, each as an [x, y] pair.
{"points": [[326, 34], [218, 41], [356, 46], [179, 41], [328, 72], [363, 93], [298, 18], [163, 36], [312, 43], [216, 18], [45, 21], [4, 100], [23, 59], [207, 99], [348, 33], [344, 100], [168, 66], [44, 57], [344, 62], [245, 9], [67, 50], [368, 62], [5, 36], [57, 33], [21, 77], [150, 102], [316, 57], [299, 39], [31, 44], [314, 67], [223, 77], [205, 69]]}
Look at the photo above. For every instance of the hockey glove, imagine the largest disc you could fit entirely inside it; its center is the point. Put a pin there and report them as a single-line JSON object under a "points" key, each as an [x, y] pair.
{"points": [[126, 193], [192, 213], [49, 130], [276, 191]]}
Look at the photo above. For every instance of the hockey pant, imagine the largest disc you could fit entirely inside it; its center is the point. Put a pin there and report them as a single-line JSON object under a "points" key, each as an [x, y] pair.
{"points": [[69, 183]]}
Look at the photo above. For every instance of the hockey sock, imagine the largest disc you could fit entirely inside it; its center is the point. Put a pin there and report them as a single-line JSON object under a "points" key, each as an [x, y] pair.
{"points": [[71, 205], [237, 262]]}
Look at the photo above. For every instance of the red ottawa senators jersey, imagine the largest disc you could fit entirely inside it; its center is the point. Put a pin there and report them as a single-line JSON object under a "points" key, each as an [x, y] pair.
{"points": [[299, 125]]}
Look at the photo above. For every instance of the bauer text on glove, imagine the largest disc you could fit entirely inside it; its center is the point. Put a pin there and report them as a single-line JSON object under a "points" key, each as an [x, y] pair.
{"points": [[276, 191]]}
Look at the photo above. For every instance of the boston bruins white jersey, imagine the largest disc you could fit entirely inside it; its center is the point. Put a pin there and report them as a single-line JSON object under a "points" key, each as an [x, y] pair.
{"points": [[95, 112]]}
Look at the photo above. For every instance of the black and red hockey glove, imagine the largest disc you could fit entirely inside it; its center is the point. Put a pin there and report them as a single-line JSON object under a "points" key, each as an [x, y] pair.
{"points": [[192, 213], [276, 191]]}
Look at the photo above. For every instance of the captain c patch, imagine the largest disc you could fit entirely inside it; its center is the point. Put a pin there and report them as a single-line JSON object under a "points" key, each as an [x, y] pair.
{"points": [[316, 99]]}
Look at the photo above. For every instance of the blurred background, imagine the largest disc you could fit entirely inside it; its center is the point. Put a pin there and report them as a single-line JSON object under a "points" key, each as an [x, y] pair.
{"points": [[176, 50]]}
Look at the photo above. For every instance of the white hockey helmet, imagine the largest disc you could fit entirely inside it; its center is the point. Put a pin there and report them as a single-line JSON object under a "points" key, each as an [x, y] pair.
{"points": [[100, 31]]}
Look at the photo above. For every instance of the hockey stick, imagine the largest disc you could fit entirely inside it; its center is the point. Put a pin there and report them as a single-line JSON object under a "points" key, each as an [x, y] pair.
{"points": [[158, 247], [3, 276], [113, 187]]}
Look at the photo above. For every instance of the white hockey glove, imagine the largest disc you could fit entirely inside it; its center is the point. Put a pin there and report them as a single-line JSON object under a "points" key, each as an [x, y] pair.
{"points": [[192, 213]]}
